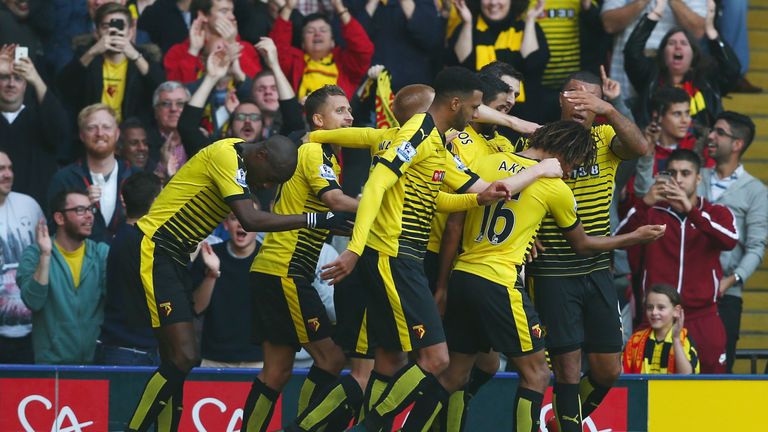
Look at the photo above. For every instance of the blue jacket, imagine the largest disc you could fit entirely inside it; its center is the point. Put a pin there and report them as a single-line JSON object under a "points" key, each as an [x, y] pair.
{"points": [[65, 319]]}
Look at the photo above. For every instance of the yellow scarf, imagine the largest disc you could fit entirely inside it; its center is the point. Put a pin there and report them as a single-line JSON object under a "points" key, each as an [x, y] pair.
{"points": [[318, 74]]}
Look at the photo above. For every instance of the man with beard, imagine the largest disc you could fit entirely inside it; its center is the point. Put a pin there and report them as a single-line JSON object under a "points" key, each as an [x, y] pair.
{"points": [[63, 281], [99, 172], [19, 215]]}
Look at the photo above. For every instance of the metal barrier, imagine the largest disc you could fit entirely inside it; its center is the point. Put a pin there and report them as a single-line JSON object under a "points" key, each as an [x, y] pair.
{"points": [[753, 355]]}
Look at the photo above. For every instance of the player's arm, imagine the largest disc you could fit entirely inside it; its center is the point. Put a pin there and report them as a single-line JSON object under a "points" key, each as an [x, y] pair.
{"points": [[489, 115], [449, 248], [260, 221], [352, 137], [584, 244], [516, 183], [337, 201]]}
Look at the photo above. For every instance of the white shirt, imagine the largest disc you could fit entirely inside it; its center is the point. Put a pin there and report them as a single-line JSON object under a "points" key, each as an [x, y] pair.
{"points": [[11, 116], [108, 185]]}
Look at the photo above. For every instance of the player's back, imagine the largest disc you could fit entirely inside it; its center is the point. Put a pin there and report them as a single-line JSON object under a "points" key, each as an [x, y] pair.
{"points": [[496, 237], [195, 201]]}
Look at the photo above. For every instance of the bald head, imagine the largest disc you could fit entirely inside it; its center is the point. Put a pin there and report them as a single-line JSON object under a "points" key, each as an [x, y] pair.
{"points": [[411, 100], [270, 162], [282, 155]]}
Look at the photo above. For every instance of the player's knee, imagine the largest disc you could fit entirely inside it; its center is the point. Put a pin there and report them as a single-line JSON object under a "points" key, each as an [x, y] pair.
{"points": [[186, 358], [276, 376], [541, 377], [452, 380], [488, 363], [436, 362], [330, 359]]}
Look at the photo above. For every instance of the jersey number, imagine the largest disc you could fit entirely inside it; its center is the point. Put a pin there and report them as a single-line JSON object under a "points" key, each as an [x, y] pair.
{"points": [[491, 215]]}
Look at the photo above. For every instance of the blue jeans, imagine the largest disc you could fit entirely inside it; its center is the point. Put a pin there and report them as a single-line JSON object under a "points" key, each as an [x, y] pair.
{"points": [[110, 355], [733, 28]]}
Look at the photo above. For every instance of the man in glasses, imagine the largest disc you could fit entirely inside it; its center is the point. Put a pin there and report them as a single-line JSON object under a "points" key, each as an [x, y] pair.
{"points": [[63, 282], [165, 143], [100, 173]]}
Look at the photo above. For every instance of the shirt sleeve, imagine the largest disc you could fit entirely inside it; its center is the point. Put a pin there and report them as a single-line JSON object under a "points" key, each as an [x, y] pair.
{"points": [[318, 168], [227, 171], [458, 176], [408, 148], [352, 137], [563, 207]]}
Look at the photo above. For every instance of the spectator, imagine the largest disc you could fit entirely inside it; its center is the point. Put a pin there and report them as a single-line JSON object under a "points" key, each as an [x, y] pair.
{"points": [[125, 340], [264, 94], [504, 31], [31, 128], [100, 172], [688, 256], [166, 22], [680, 63], [214, 26], [408, 36], [19, 214], [732, 23], [26, 23], [63, 281], [619, 17], [729, 184], [70, 19], [224, 297], [133, 145], [165, 143], [112, 70], [319, 61], [664, 347]]}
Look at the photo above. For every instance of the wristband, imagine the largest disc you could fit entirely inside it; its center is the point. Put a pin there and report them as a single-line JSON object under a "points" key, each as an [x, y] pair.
{"points": [[311, 220]]}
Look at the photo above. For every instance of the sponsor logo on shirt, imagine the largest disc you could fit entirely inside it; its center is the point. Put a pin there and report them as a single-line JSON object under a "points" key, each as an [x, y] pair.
{"points": [[406, 152], [438, 176]]}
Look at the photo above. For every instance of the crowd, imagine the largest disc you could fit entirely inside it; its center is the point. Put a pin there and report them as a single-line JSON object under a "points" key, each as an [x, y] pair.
{"points": [[108, 106]]}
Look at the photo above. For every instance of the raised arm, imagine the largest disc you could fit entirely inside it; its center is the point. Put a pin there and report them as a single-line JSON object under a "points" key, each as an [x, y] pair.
{"points": [[687, 18], [352, 137], [616, 20]]}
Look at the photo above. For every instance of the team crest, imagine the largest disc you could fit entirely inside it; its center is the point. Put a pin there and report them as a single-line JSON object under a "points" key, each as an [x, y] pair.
{"points": [[240, 178], [536, 331], [314, 324], [406, 152], [419, 330], [327, 172], [166, 307]]}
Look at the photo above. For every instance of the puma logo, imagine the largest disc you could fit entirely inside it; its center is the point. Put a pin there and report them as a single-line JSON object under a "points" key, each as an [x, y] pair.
{"points": [[573, 419]]}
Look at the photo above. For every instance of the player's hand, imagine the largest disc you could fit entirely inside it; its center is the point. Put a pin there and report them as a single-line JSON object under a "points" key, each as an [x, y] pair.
{"points": [[549, 167], [677, 328], [611, 88], [340, 268], [210, 259], [586, 101], [43, 239], [331, 221], [649, 233], [535, 249], [494, 192], [524, 127]]}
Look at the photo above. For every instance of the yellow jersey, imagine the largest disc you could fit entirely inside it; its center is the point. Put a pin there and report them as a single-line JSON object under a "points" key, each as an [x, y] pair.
{"points": [[418, 156], [560, 22], [497, 237], [295, 253], [592, 187], [114, 86], [468, 146], [196, 199]]}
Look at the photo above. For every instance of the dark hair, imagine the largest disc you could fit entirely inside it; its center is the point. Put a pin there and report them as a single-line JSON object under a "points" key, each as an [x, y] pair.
{"points": [[203, 6], [110, 8], [139, 191], [499, 69], [667, 290], [568, 139], [59, 200], [685, 155], [262, 73], [742, 127], [585, 77], [456, 81], [492, 87], [697, 61], [317, 16], [666, 96], [131, 123], [317, 99]]}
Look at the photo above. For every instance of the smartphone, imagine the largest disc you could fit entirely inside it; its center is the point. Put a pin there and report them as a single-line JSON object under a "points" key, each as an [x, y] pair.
{"points": [[21, 52], [117, 23]]}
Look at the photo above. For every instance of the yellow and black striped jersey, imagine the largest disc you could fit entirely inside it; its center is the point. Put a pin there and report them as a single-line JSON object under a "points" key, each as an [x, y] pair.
{"points": [[419, 158], [469, 146], [196, 199], [560, 22], [592, 187], [295, 253], [497, 237], [644, 354]]}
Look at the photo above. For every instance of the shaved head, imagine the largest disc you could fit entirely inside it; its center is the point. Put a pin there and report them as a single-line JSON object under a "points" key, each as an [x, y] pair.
{"points": [[269, 162], [411, 100], [282, 155]]}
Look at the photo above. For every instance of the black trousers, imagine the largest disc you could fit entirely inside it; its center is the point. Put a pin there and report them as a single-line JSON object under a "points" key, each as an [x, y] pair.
{"points": [[729, 307]]}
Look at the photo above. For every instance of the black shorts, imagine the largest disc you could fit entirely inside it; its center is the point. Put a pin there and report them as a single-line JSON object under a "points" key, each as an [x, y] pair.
{"points": [[402, 314], [166, 294], [483, 315], [288, 311], [350, 300], [431, 269], [578, 312]]}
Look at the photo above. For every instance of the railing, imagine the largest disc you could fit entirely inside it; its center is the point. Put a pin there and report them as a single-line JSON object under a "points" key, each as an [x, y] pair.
{"points": [[753, 355]]}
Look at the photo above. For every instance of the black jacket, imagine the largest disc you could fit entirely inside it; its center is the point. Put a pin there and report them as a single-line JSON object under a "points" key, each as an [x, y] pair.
{"points": [[643, 73]]}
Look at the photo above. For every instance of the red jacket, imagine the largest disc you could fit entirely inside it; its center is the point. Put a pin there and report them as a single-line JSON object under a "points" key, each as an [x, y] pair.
{"points": [[353, 61], [688, 255], [181, 66]]}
